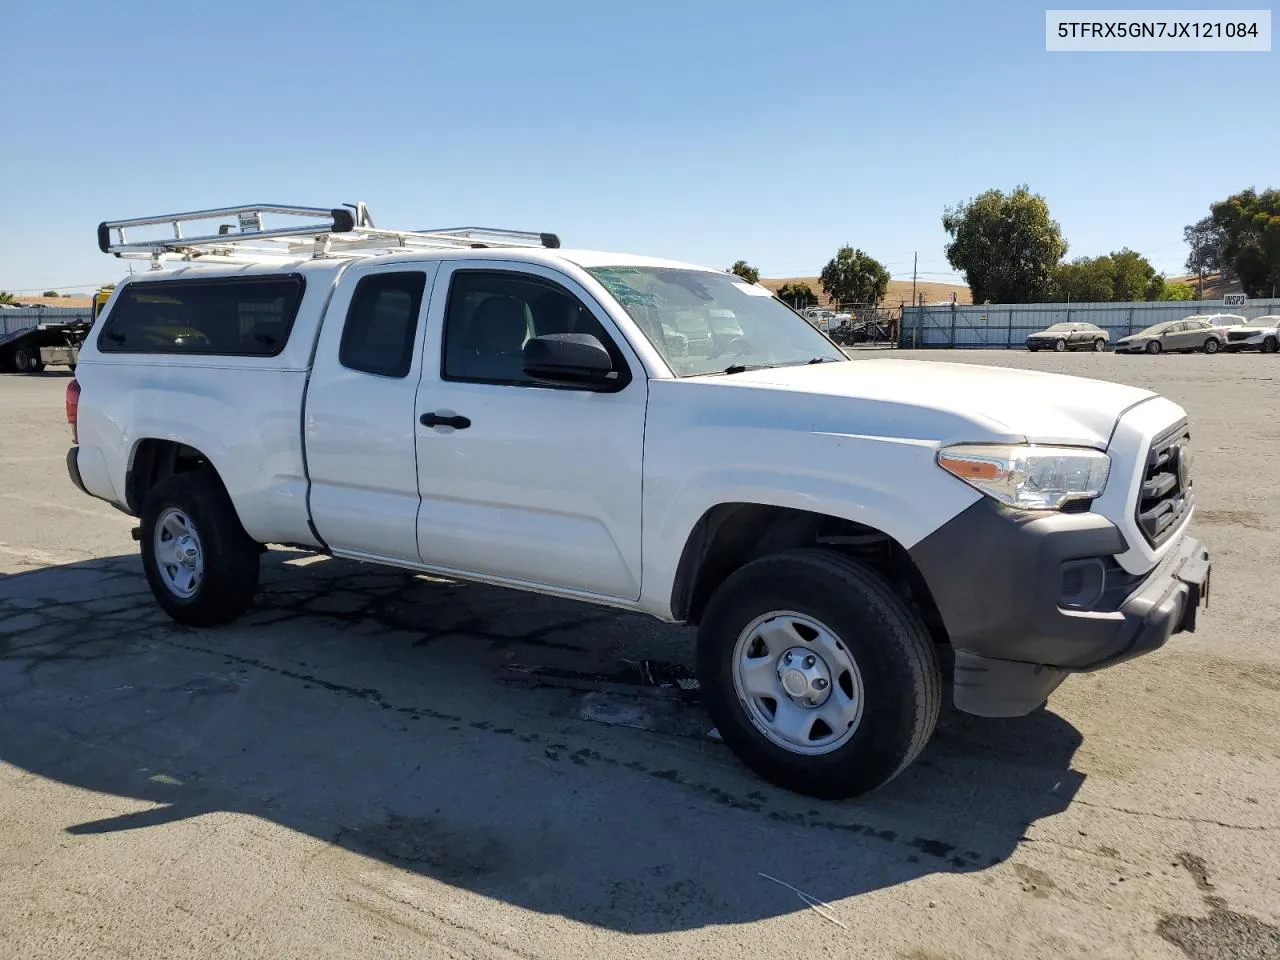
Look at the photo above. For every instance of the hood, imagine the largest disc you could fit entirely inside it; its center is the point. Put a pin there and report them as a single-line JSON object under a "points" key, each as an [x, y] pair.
{"points": [[947, 402]]}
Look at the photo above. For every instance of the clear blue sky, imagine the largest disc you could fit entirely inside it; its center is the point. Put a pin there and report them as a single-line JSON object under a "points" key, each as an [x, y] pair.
{"points": [[699, 130]]}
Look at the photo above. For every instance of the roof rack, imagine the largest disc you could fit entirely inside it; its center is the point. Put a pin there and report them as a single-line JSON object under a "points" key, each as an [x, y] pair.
{"points": [[347, 230]]}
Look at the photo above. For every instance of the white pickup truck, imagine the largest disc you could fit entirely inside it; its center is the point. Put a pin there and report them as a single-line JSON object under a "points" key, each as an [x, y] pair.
{"points": [[488, 405]]}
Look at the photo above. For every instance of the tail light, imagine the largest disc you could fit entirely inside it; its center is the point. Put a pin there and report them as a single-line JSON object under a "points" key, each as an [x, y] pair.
{"points": [[73, 407]]}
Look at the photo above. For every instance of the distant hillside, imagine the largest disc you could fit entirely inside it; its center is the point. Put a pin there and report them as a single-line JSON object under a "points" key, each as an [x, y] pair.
{"points": [[899, 290], [1214, 285], [54, 301]]}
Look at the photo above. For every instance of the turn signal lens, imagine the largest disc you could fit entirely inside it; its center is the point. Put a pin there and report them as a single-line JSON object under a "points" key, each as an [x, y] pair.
{"points": [[1027, 476]]}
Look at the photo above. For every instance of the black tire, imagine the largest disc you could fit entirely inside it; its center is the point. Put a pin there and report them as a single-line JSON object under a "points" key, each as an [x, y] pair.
{"points": [[230, 557], [23, 359], [1211, 345], [36, 365], [1269, 345], [1033, 349], [1099, 345], [1154, 347], [891, 648], [1059, 346]]}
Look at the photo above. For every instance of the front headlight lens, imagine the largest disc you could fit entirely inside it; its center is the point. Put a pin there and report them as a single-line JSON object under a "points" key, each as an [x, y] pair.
{"points": [[1027, 476]]}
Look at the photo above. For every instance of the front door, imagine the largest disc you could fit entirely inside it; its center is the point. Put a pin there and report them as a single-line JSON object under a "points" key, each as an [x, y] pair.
{"points": [[360, 426], [524, 482]]}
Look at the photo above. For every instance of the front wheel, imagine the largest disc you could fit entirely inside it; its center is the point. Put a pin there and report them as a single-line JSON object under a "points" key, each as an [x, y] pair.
{"points": [[1099, 345], [1060, 346], [1269, 345], [817, 674], [1153, 347], [201, 565], [1211, 345]]}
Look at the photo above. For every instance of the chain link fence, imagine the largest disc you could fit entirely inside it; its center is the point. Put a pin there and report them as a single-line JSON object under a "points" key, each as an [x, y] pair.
{"points": [[856, 324]]}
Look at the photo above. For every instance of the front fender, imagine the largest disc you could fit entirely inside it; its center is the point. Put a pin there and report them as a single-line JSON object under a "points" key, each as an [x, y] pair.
{"points": [[889, 484]]}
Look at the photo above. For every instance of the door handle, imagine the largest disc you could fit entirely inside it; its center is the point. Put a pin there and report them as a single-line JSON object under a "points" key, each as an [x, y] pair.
{"points": [[436, 420]]}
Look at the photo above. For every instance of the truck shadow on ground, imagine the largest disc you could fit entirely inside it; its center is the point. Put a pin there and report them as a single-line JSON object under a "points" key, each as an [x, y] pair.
{"points": [[365, 707]]}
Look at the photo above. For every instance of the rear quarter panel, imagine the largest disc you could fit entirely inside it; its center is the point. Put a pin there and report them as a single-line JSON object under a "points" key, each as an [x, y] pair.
{"points": [[243, 413]]}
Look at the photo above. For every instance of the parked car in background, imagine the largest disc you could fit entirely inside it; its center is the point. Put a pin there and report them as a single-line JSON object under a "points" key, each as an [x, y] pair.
{"points": [[1261, 334], [1207, 333], [1069, 336]]}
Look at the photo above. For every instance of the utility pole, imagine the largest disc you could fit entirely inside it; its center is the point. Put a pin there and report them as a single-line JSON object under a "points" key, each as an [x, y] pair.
{"points": [[1199, 271], [915, 256]]}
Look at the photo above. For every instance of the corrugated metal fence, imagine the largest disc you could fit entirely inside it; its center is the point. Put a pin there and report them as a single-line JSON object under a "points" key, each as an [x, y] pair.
{"points": [[13, 321], [1002, 325]]}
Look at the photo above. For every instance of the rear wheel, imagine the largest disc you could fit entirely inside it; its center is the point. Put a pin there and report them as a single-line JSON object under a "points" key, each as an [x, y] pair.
{"points": [[1211, 345], [200, 563], [1153, 346], [24, 360], [817, 674], [1059, 346], [1099, 345]]}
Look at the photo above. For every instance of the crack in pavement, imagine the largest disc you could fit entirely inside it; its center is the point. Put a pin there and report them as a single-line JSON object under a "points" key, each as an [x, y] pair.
{"points": [[1257, 828]]}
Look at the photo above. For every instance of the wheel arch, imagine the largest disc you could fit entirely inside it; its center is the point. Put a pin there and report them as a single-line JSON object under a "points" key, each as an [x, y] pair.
{"points": [[730, 535], [153, 459]]}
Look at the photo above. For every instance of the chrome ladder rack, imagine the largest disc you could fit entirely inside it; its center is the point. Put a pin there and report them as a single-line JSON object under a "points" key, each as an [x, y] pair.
{"points": [[347, 230]]}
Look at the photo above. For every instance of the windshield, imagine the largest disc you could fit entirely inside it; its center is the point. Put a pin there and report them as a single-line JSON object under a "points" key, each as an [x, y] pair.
{"points": [[1058, 327], [1153, 331], [706, 322]]}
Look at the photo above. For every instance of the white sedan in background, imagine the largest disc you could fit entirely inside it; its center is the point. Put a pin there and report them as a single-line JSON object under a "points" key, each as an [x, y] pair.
{"points": [[1261, 334]]}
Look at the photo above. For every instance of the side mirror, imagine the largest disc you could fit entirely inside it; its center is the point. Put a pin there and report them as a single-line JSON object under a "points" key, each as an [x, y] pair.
{"points": [[569, 359]]}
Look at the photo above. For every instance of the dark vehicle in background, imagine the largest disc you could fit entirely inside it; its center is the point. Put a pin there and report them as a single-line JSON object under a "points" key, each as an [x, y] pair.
{"points": [[30, 344], [1069, 336], [1207, 333]]}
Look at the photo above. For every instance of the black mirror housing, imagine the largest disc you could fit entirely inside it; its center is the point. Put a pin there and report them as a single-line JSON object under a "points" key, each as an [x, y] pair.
{"points": [[570, 359]]}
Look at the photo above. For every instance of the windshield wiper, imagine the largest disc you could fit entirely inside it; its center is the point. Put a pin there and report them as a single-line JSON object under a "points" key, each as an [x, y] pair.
{"points": [[735, 368]]}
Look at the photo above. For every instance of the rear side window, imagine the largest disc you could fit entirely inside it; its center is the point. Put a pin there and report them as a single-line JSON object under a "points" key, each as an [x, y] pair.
{"points": [[232, 317], [382, 322]]}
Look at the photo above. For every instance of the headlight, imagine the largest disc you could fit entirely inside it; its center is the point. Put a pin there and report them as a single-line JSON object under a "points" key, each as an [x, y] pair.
{"points": [[1027, 476]]}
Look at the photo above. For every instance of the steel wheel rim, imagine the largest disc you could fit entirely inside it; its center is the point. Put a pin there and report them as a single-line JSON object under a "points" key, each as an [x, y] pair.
{"points": [[178, 553], [776, 693], [1060, 346], [1211, 346]]}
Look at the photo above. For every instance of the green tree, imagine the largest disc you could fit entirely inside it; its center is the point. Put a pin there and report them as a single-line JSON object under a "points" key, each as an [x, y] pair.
{"points": [[1135, 277], [852, 276], [1005, 245], [50, 293], [6, 296], [798, 294], [1177, 291], [1121, 276], [1206, 240], [1084, 280], [746, 271], [1250, 221]]}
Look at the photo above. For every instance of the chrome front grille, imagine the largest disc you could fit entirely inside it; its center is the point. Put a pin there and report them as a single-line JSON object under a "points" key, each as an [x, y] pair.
{"points": [[1166, 493]]}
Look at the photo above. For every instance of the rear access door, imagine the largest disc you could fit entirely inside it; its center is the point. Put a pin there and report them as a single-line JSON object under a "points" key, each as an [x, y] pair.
{"points": [[360, 425]]}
